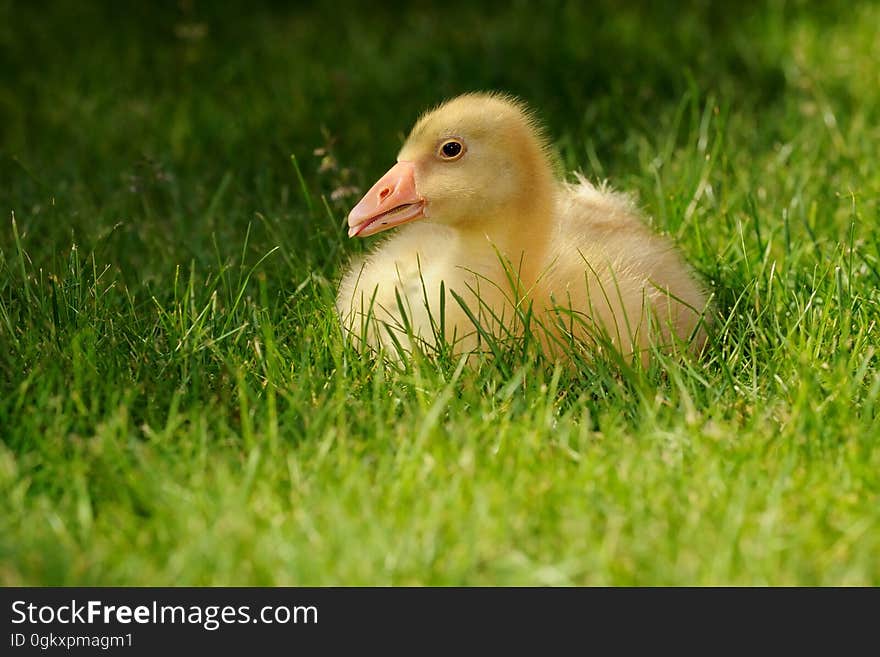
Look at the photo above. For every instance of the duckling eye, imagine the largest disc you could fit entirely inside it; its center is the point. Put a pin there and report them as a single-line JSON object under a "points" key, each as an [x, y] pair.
{"points": [[452, 149]]}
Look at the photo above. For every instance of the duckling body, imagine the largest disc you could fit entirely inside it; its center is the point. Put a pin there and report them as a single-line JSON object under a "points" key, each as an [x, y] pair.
{"points": [[617, 277], [486, 216], [407, 270]]}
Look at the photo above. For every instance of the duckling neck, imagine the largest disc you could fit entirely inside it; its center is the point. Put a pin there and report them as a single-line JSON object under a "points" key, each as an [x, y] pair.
{"points": [[522, 236]]}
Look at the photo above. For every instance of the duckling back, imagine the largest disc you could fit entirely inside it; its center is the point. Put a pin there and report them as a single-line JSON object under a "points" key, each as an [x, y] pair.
{"points": [[610, 278]]}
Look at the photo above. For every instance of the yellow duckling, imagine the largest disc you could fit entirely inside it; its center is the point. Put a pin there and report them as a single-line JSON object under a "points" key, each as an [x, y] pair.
{"points": [[481, 210]]}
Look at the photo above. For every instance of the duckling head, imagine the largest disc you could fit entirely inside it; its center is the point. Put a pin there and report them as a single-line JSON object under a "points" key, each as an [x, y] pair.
{"points": [[479, 161]]}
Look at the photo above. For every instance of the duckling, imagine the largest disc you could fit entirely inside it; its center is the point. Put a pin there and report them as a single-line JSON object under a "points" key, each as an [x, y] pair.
{"points": [[489, 240]]}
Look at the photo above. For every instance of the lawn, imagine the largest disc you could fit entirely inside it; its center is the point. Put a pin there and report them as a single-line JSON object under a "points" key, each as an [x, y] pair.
{"points": [[178, 405]]}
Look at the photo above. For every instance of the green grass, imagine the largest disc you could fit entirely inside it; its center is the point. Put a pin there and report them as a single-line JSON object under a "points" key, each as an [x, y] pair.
{"points": [[178, 406]]}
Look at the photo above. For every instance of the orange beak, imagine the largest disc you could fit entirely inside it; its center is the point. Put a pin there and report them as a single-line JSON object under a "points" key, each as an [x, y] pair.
{"points": [[392, 201]]}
